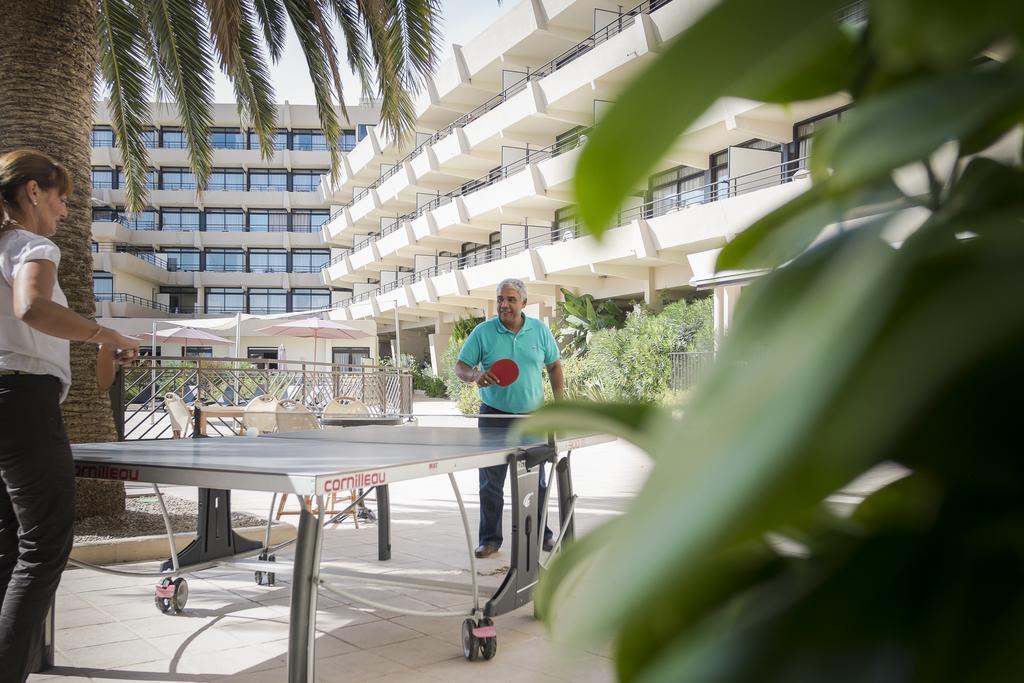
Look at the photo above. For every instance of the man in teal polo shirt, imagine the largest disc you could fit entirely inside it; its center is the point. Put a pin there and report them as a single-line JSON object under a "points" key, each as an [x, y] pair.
{"points": [[529, 343]]}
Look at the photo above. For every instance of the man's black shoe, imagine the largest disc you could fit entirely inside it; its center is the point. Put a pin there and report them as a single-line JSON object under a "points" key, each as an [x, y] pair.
{"points": [[549, 544], [485, 550]]}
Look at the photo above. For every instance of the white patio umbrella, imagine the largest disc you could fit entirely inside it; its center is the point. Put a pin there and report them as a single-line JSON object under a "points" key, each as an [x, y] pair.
{"points": [[317, 328], [192, 337]]}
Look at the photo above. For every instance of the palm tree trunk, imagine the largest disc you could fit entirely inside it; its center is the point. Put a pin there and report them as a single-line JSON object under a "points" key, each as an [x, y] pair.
{"points": [[47, 63]]}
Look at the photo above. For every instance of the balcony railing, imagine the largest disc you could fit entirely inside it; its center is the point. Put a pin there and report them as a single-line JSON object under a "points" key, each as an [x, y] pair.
{"points": [[339, 258], [770, 176], [147, 256], [531, 156], [123, 298]]}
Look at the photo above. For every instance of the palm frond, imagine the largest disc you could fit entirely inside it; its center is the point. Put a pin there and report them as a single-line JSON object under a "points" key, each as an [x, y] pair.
{"points": [[422, 34], [225, 29], [271, 14], [123, 65], [318, 9], [307, 30], [253, 90], [353, 31], [404, 37], [184, 49]]}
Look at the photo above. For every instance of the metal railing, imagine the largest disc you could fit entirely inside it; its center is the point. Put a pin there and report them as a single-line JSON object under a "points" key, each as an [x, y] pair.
{"points": [[688, 367], [122, 298], [237, 381], [531, 156], [147, 256], [770, 176]]}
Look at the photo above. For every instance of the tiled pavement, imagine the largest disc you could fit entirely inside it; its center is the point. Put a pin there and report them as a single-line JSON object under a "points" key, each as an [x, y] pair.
{"points": [[108, 628]]}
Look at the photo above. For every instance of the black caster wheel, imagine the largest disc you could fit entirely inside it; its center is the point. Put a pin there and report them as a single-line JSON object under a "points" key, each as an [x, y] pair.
{"points": [[180, 596], [164, 592], [488, 644], [470, 643], [271, 576]]}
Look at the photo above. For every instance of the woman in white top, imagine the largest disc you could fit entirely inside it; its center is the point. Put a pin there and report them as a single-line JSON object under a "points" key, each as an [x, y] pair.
{"points": [[36, 512]]}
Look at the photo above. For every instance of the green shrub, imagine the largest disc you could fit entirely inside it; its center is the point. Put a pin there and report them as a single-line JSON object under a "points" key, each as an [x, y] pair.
{"points": [[633, 363], [465, 395]]}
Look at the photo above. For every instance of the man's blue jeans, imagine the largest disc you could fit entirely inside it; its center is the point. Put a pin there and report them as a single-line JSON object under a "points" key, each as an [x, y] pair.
{"points": [[492, 485]]}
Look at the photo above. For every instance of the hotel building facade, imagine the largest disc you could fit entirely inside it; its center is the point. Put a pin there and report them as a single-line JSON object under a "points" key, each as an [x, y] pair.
{"points": [[418, 233]]}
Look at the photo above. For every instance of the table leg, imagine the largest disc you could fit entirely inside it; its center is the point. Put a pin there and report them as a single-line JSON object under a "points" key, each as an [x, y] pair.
{"points": [[305, 584], [383, 523]]}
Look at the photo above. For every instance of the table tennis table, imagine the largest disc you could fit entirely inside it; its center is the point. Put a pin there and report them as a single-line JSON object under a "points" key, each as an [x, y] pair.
{"points": [[317, 463]]}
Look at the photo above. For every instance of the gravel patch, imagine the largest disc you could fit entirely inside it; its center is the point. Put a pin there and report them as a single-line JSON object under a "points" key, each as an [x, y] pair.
{"points": [[142, 518]]}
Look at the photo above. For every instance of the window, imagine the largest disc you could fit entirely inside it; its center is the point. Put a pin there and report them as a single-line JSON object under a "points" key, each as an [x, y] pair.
{"points": [[565, 224], [103, 285], [177, 179], [226, 180], [197, 351], [227, 138], [306, 181], [172, 138], [475, 254], [804, 131], [310, 299], [310, 260], [102, 136], [349, 355], [268, 220], [676, 189], [718, 175], [181, 258], [144, 220], [259, 353], [308, 140], [102, 178], [362, 129], [309, 220], [225, 220], [280, 139], [347, 140], [225, 260], [181, 299], [268, 261], [179, 220], [267, 300], [150, 138], [151, 178], [268, 180], [104, 215], [225, 300]]}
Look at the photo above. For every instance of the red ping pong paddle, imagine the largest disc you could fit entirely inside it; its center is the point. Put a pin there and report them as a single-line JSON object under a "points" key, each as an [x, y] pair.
{"points": [[506, 370]]}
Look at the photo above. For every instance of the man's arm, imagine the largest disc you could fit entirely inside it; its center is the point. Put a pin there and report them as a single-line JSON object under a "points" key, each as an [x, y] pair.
{"points": [[557, 379]]}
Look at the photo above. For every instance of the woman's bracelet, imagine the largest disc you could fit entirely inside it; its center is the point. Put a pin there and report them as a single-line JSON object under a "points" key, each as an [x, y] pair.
{"points": [[99, 328]]}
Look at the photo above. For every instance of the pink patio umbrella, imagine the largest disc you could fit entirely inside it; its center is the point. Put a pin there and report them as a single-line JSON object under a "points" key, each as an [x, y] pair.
{"points": [[317, 328], [192, 337]]}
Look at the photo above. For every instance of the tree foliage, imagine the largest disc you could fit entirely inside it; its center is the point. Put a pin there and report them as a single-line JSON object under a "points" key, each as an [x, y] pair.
{"points": [[579, 317], [170, 48], [849, 354]]}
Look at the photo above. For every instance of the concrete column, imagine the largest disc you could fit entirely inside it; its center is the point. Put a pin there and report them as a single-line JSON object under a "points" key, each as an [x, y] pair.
{"points": [[651, 297], [438, 342], [724, 307]]}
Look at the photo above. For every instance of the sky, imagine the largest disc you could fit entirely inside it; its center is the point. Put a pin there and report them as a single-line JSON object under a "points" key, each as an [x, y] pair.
{"points": [[461, 20]]}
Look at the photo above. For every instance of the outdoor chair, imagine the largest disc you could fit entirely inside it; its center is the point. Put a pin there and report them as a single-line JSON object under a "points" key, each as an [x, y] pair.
{"points": [[261, 414], [293, 416], [178, 413], [345, 406]]}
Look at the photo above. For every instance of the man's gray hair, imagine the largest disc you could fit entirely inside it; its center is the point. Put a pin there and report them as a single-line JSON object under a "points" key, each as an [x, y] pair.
{"points": [[512, 283]]}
